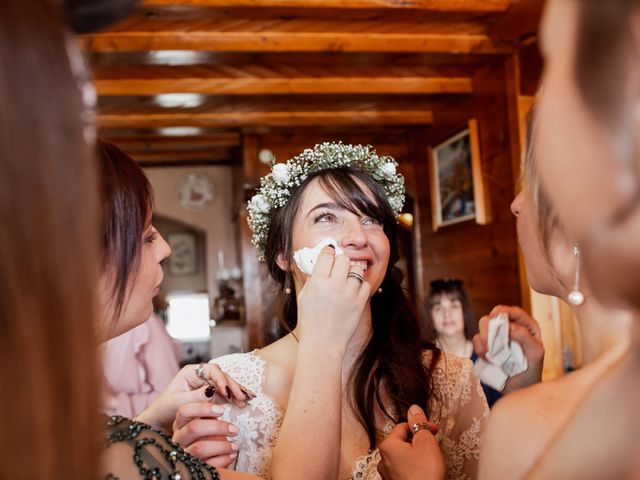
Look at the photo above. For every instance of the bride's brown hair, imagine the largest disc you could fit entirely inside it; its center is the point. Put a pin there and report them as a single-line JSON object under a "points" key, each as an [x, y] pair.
{"points": [[393, 356]]}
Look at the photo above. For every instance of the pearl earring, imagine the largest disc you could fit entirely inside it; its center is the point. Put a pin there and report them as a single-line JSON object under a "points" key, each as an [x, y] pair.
{"points": [[380, 290], [576, 297], [287, 291]]}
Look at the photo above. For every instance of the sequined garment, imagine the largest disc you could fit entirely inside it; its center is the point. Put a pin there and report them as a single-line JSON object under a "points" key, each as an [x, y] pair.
{"points": [[135, 450]]}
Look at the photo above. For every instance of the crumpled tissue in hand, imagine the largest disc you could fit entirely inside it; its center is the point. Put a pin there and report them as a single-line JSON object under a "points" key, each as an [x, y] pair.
{"points": [[306, 257], [505, 358]]}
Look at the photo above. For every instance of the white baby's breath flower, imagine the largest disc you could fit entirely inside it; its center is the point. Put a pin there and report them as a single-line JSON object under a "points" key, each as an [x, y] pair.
{"points": [[260, 203], [388, 169], [280, 173]]}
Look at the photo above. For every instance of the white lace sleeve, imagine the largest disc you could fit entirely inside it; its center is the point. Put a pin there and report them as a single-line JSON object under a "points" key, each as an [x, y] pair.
{"points": [[258, 423], [460, 409]]}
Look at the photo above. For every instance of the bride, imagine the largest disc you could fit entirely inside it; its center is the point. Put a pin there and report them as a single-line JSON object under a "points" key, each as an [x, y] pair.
{"points": [[350, 195]]}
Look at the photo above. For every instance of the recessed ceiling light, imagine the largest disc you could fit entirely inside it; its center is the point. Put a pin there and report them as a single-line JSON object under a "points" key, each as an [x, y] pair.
{"points": [[179, 131], [179, 100], [176, 57]]}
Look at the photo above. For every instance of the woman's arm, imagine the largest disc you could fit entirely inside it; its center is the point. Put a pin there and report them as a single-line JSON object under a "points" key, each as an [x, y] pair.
{"points": [[330, 307]]}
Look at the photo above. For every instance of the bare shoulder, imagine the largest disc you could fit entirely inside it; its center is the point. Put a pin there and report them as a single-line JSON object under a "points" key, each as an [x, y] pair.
{"points": [[521, 425], [280, 360]]}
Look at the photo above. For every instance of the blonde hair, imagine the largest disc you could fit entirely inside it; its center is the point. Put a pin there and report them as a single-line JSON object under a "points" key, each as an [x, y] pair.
{"points": [[48, 254]]}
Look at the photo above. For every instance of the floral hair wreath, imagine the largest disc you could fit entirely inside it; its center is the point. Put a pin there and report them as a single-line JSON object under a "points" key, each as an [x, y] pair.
{"points": [[276, 187]]}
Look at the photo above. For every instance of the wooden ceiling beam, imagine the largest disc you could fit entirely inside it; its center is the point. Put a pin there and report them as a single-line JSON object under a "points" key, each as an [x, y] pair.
{"points": [[154, 156], [284, 86], [159, 143], [372, 116], [484, 6], [293, 42]]}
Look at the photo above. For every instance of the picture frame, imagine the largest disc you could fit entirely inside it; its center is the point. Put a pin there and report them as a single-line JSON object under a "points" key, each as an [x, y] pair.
{"points": [[184, 254], [457, 187]]}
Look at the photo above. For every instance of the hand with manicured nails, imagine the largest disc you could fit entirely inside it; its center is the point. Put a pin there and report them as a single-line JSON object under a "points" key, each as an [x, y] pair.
{"points": [[188, 387], [407, 456], [199, 431], [331, 303], [524, 330]]}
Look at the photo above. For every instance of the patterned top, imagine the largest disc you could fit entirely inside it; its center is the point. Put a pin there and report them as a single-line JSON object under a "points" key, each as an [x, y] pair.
{"points": [[458, 406], [135, 450]]}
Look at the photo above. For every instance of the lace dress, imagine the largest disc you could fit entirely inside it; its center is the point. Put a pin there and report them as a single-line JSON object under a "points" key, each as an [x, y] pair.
{"points": [[458, 407]]}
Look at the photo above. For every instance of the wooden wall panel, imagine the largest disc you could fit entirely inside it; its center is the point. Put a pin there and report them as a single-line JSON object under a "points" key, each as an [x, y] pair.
{"points": [[484, 256]]}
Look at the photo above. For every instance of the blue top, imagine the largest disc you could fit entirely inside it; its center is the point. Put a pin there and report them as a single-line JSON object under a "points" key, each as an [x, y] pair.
{"points": [[491, 393]]}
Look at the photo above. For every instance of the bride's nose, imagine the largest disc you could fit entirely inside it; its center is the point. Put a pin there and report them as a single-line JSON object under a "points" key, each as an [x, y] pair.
{"points": [[353, 235]]}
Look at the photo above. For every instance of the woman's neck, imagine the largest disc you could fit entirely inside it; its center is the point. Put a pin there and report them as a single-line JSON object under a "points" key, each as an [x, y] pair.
{"points": [[457, 345], [358, 341], [602, 329]]}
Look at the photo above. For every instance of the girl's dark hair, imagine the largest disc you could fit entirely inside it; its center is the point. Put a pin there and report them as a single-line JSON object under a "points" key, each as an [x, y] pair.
{"points": [[127, 202], [393, 355], [453, 289]]}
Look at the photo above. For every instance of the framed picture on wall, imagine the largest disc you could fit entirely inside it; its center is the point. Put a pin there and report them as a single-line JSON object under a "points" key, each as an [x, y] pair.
{"points": [[184, 255], [457, 189]]}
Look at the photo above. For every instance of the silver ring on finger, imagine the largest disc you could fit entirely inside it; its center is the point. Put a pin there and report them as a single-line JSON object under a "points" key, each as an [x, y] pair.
{"points": [[356, 275], [200, 371], [416, 427]]}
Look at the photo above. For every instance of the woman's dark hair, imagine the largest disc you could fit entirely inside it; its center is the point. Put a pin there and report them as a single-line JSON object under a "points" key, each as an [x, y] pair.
{"points": [[127, 202], [393, 357], [453, 289]]}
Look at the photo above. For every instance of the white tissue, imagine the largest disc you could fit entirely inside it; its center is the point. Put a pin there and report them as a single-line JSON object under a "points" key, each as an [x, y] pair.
{"points": [[505, 358], [306, 257]]}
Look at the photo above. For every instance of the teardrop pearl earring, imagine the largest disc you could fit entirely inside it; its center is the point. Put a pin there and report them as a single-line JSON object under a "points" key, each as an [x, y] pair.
{"points": [[576, 297], [380, 290], [287, 291]]}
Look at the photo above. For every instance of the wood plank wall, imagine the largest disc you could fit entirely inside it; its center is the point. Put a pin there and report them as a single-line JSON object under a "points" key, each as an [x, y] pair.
{"points": [[484, 256]]}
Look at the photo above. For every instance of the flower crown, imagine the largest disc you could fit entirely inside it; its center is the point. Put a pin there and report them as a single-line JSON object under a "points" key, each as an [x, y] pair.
{"points": [[276, 187]]}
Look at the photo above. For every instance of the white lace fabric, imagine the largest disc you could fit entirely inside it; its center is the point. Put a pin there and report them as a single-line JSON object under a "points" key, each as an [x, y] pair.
{"points": [[458, 406]]}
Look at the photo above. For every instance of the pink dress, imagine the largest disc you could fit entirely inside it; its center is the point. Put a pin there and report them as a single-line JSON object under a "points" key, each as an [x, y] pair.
{"points": [[138, 366]]}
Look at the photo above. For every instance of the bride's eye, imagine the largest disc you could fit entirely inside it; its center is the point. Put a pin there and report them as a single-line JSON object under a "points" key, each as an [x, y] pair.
{"points": [[371, 221], [325, 217]]}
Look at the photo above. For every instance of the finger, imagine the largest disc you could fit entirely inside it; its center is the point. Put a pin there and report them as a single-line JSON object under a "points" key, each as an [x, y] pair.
{"points": [[416, 415], [483, 336], [212, 448], [530, 344], [341, 267], [199, 429], [227, 388], [222, 461], [478, 346], [189, 411], [519, 316], [324, 264], [400, 432]]}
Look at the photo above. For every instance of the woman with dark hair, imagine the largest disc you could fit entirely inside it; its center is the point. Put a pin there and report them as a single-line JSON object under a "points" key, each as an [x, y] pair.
{"points": [[452, 323], [346, 196]]}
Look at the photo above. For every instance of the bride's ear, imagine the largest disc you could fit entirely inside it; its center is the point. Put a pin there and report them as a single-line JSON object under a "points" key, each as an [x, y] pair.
{"points": [[283, 263]]}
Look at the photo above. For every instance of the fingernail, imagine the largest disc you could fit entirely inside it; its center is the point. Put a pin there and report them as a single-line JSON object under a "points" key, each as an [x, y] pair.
{"points": [[248, 393], [228, 390], [216, 409], [233, 455], [210, 391], [415, 410], [235, 446], [233, 429], [332, 246], [494, 309]]}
